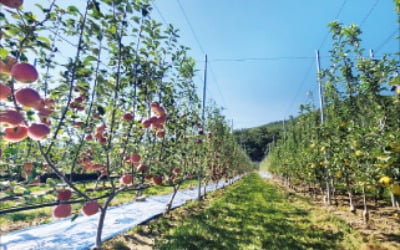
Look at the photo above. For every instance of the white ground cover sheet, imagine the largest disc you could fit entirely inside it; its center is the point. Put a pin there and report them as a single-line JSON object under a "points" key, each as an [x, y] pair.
{"points": [[265, 175], [81, 233]]}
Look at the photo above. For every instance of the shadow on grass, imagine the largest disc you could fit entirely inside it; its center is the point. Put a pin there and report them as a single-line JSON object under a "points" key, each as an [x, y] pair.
{"points": [[392, 237], [253, 215]]}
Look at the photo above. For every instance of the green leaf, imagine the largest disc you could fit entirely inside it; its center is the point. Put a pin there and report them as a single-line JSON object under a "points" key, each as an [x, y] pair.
{"points": [[10, 151], [72, 10], [51, 182], [3, 53], [89, 59], [45, 40]]}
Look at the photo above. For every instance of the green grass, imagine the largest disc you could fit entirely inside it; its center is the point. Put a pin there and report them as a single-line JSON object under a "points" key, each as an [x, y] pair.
{"points": [[254, 214], [265, 164]]}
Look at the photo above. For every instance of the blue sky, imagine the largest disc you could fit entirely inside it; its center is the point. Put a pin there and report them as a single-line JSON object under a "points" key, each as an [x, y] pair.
{"points": [[255, 92], [285, 33]]}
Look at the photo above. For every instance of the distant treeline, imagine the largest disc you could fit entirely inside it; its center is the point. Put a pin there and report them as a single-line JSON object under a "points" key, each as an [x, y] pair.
{"points": [[255, 140]]}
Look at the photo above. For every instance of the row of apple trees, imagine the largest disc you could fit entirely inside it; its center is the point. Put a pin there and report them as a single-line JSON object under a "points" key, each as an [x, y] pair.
{"points": [[357, 147], [99, 86]]}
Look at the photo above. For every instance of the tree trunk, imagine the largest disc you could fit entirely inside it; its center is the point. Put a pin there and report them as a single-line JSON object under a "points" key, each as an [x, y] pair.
{"points": [[365, 213], [199, 186], [392, 199], [100, 225], [328, 191], [314, 193], [351, 204], [205, 190], [394, 202], [350, 192], [171, 200], [100, 228]]}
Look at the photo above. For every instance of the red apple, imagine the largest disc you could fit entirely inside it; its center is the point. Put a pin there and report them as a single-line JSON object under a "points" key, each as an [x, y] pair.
{"points": [[28, 97], [103, 140], [5, 92], [90, 208], [146, 123], [79, 99], [157, 126], [133, 159], [45, 121], [88, 137], [80, 107], [162, 118], [142, 168], [98, 135], [160, 134], [78, 124], [12, 3], [45, 112], [50, 103], [40, 105], [24, 72], [153, 119], [64, 195], [158, 110], [62, 211], [38, 131], [101, 128], [87, 165], [157, 121], [157, 179], [11, 117], [176, 170], [73, 105], [28, 166], [15, 134], [154, 105], [126, 179], [128, 117], [96, 166]]}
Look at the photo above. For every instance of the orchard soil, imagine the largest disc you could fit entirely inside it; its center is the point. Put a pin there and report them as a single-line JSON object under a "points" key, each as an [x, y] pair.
{"points": [[383, 228]]}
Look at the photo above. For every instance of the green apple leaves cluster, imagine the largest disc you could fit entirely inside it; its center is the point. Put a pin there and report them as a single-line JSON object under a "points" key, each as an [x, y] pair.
{"points": [[357, 148]]}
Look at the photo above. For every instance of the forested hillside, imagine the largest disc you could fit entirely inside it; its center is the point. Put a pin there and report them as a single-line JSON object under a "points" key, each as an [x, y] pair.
{"points": [[255, 140]]}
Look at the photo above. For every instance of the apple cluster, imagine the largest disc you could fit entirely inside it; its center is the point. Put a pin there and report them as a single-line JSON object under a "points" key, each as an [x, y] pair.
{"points": [[135, 159], [17, 128], [64, 209], [157, 121]]}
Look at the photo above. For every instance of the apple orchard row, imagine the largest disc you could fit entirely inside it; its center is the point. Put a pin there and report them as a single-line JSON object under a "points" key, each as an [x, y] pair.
{"points": [[118, 128]]}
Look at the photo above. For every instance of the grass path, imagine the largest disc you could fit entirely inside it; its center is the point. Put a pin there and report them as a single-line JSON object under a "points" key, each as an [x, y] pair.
{"points": [[255, 214]]}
